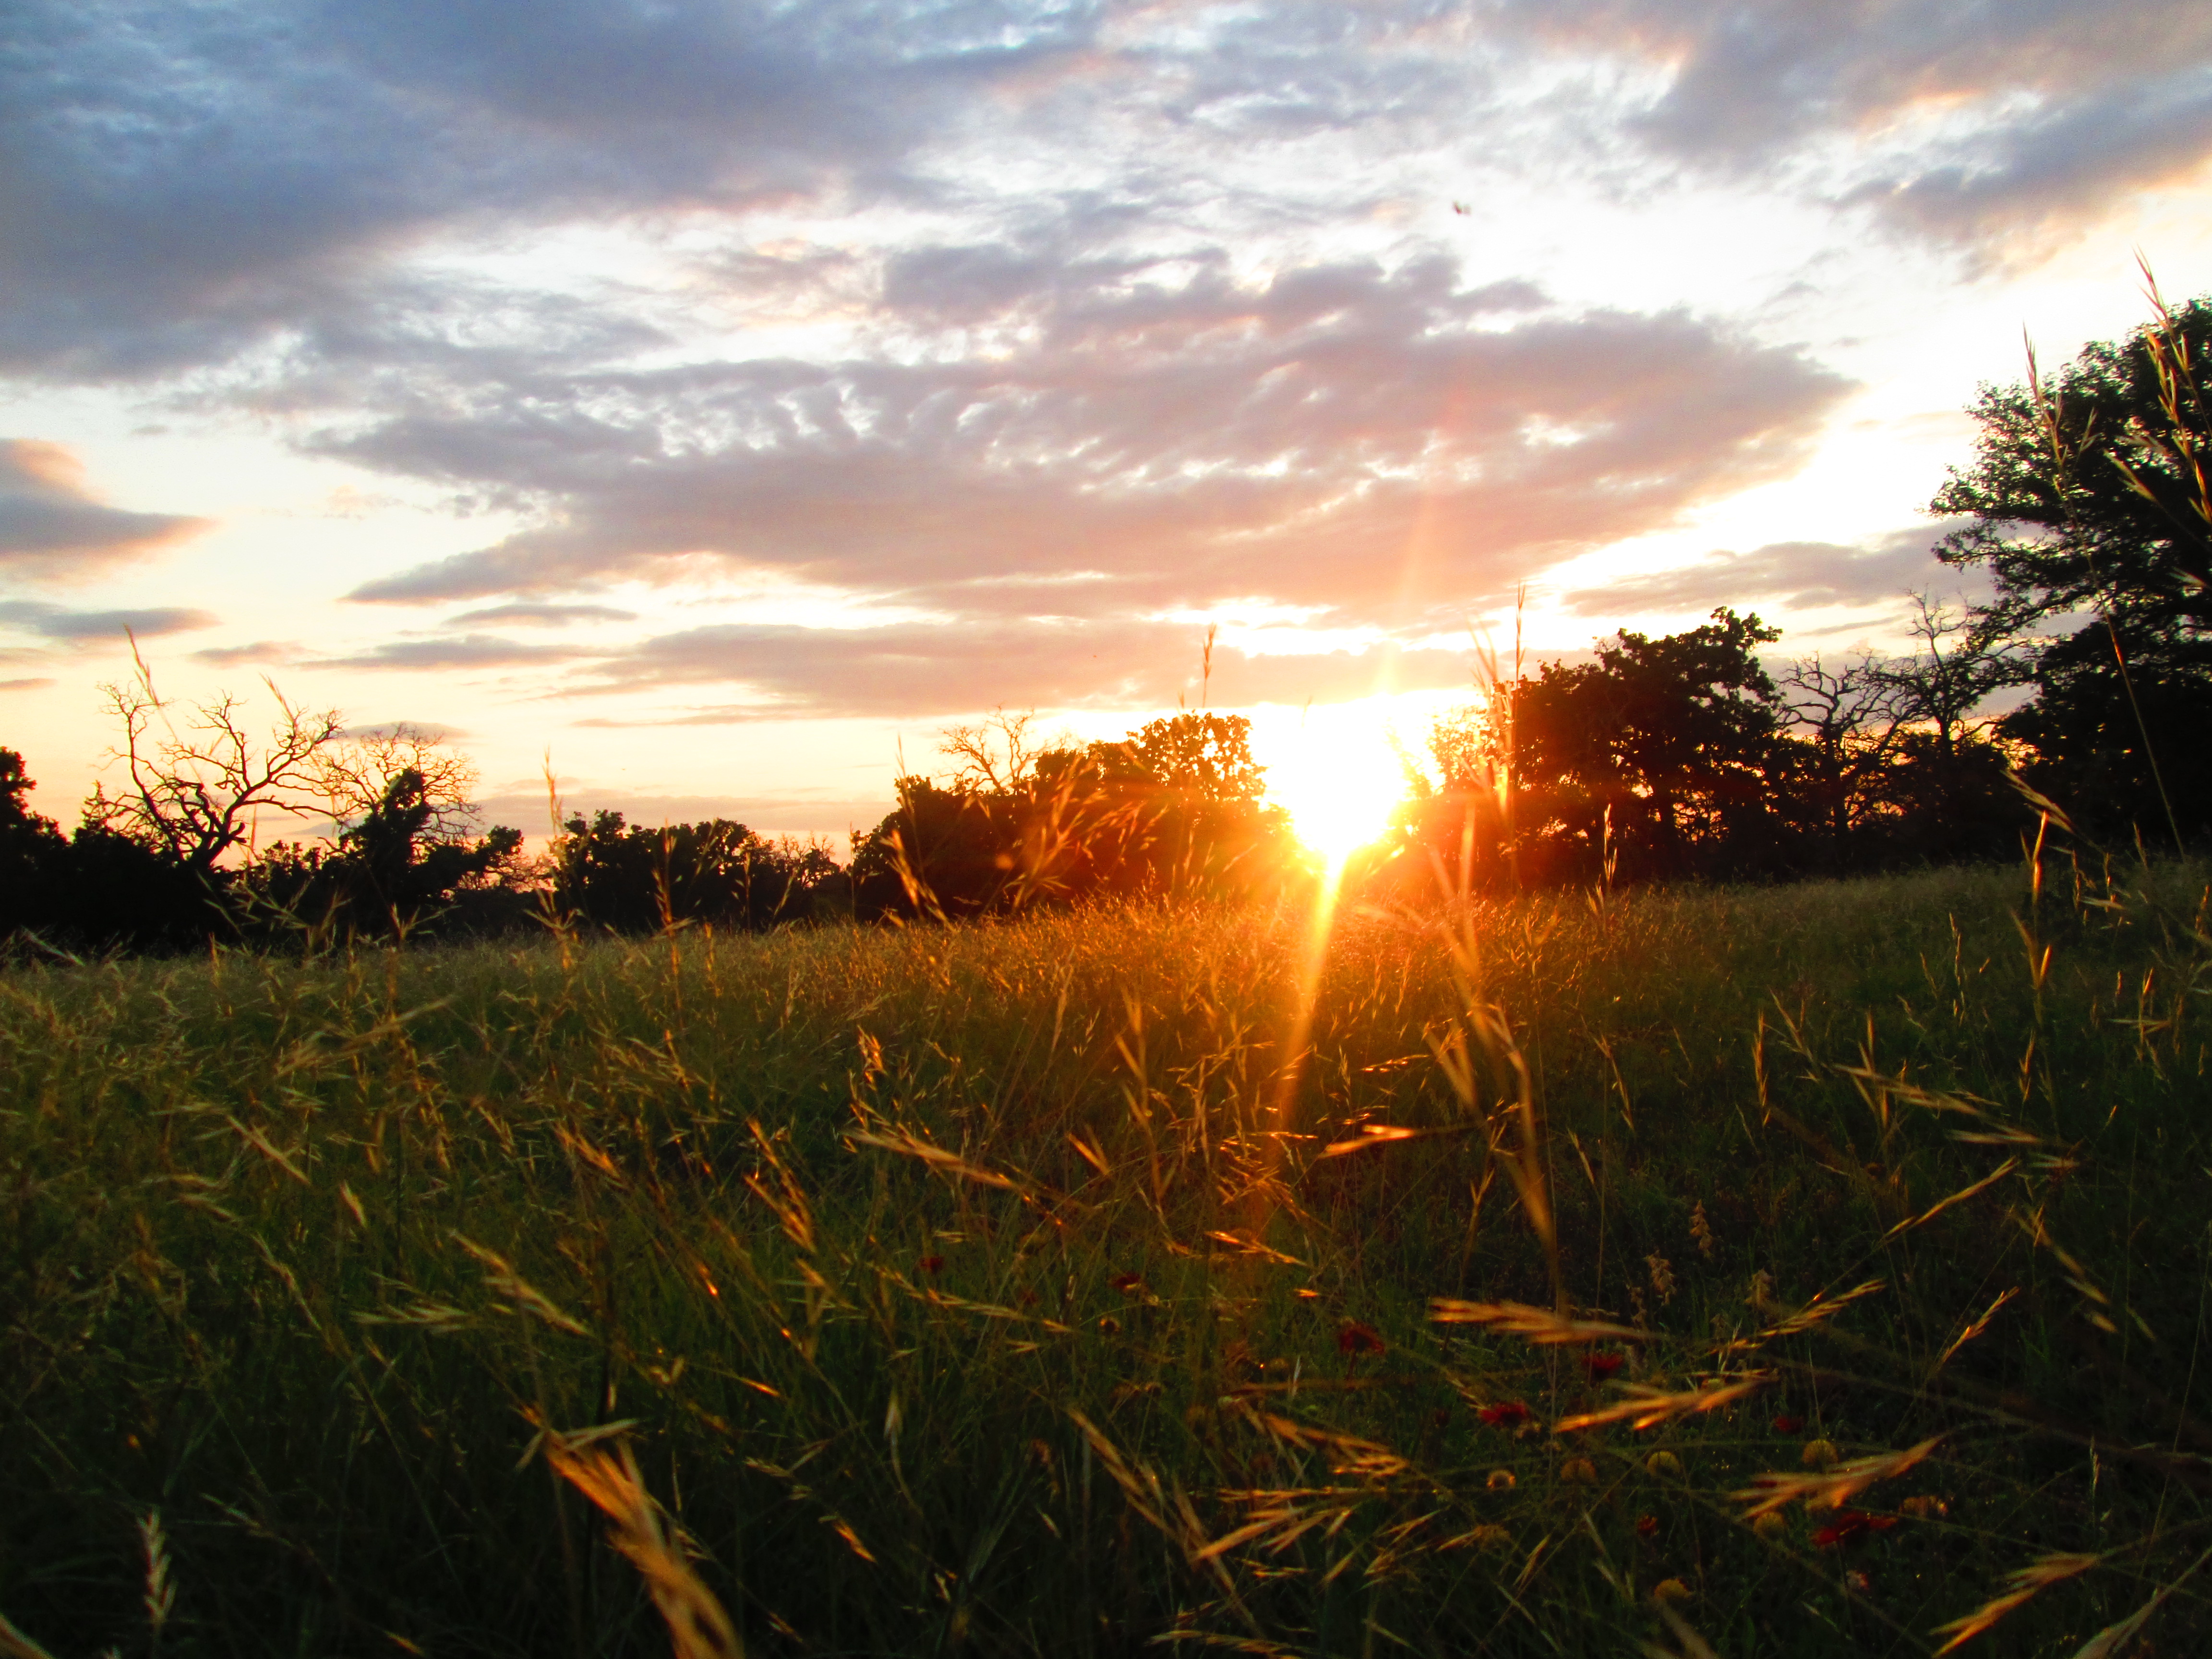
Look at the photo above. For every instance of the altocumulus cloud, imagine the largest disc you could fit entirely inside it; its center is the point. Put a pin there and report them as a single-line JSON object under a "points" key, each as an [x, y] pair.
{"points": [[1035, 371]]}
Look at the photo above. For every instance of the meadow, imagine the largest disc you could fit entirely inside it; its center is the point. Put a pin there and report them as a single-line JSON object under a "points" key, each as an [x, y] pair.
{"points": [[1816, 1269]]}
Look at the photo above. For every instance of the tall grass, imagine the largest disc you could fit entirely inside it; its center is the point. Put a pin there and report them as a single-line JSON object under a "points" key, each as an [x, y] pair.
{"points": [[1812, 1270]]}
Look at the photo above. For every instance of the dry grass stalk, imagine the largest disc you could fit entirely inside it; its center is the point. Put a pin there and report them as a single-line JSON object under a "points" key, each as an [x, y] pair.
{"points": [[698, 1628], [1537, 1325], [160, 1593], [2113, 1638], [14, 1644], [1958, 1197], [1831, 1488], [950, 1163], [504, 1282], [2037, 1575], [1646, 1407], [787, 1200], [1973, 1330], [1814, 1313], [1693, 1646]]}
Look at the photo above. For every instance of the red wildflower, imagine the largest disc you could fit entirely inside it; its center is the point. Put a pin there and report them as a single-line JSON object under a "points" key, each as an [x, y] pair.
{"points": [[1788, 1424], [1507, 1414], [1356, 1339], [1647, 1525], [933, 1264], [1850, 1526], [1602, 1365], [1127, 1283]]}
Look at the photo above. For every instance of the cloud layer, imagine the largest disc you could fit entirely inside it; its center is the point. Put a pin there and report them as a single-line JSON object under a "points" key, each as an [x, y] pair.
{"points": [[1011, 331]]}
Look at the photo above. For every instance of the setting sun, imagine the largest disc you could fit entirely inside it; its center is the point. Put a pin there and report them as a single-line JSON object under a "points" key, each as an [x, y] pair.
{"points": [[1338, 773]]}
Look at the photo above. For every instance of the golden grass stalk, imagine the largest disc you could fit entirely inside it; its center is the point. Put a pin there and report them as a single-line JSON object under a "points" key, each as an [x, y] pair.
{"points": [[907, 1144], [1539, 1326], [1645, 1408], [698, 1628], [1814, 1313], [2023, 1585], [1973, 1330], [1830, 1488], [2113, 1638], [504, 1282]]}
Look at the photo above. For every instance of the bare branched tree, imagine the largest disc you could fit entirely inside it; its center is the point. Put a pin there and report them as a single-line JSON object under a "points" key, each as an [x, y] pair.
{"points": [[198, 777], [1853, 712], [352, 772], [1958, 663], [997, 754]]}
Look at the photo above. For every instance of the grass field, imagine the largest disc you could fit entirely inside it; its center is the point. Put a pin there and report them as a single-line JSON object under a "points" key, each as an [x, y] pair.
{"points": [[1003, 1289]]}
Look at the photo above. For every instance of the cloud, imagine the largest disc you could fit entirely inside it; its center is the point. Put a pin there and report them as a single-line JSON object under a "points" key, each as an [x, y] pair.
{"points": [[182, 181], [1800, 575], [1969, 122], [923, 670], [1378, 442], [50, 523], [271, 651], [24, 684], [182, 187], [545, 616], [464, 651], [54, 623]]}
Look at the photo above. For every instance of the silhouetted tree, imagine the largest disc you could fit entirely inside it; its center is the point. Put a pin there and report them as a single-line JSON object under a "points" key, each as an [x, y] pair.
{"points": [[33, 852], [1660, 745], [632, 880], [2089, 498]]}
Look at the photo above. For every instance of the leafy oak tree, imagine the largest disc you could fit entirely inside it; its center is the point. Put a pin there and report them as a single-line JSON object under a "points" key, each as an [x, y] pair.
{"points": [[2089, 506]]}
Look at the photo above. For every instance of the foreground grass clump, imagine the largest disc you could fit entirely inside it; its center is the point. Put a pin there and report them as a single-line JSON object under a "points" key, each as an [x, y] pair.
{"points": [[1103, 1280]]}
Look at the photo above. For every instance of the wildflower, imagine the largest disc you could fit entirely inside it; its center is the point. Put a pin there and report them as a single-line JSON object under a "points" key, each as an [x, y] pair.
{"points": [[1662, 1277], [1670, 1589], [1663, 1464], [1702, 1231], [1921, 1507], [1857, 1582], [1786, 1425], [1500, 1480], [1647, 1525], [1850, 1526], [1819, 1454], [1110, 1325], [1127, 1283], [1506, 1414], [1770, 1525], [1353, 1338], [1305, 1294], [1598, 1366], [1578, 1471], [1762, 1290], [933, 1264]]}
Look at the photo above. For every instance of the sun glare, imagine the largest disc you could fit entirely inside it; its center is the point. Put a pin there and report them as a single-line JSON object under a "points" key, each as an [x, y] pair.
{"points": [[1339, 775]]}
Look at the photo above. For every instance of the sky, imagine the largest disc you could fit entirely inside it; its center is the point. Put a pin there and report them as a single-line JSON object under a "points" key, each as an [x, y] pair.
{"points": [[710, 402]]}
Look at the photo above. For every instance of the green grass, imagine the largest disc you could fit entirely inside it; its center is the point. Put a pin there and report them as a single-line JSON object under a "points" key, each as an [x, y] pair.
{"points": [[303, 1258]]}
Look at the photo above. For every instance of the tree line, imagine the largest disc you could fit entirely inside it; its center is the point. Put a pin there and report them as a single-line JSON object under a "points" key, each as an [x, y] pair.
{"points": [[2087, 503]]}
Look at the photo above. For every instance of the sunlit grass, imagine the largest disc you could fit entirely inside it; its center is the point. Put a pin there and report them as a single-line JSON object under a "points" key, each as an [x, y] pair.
{"points": [[995, 1289]]}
